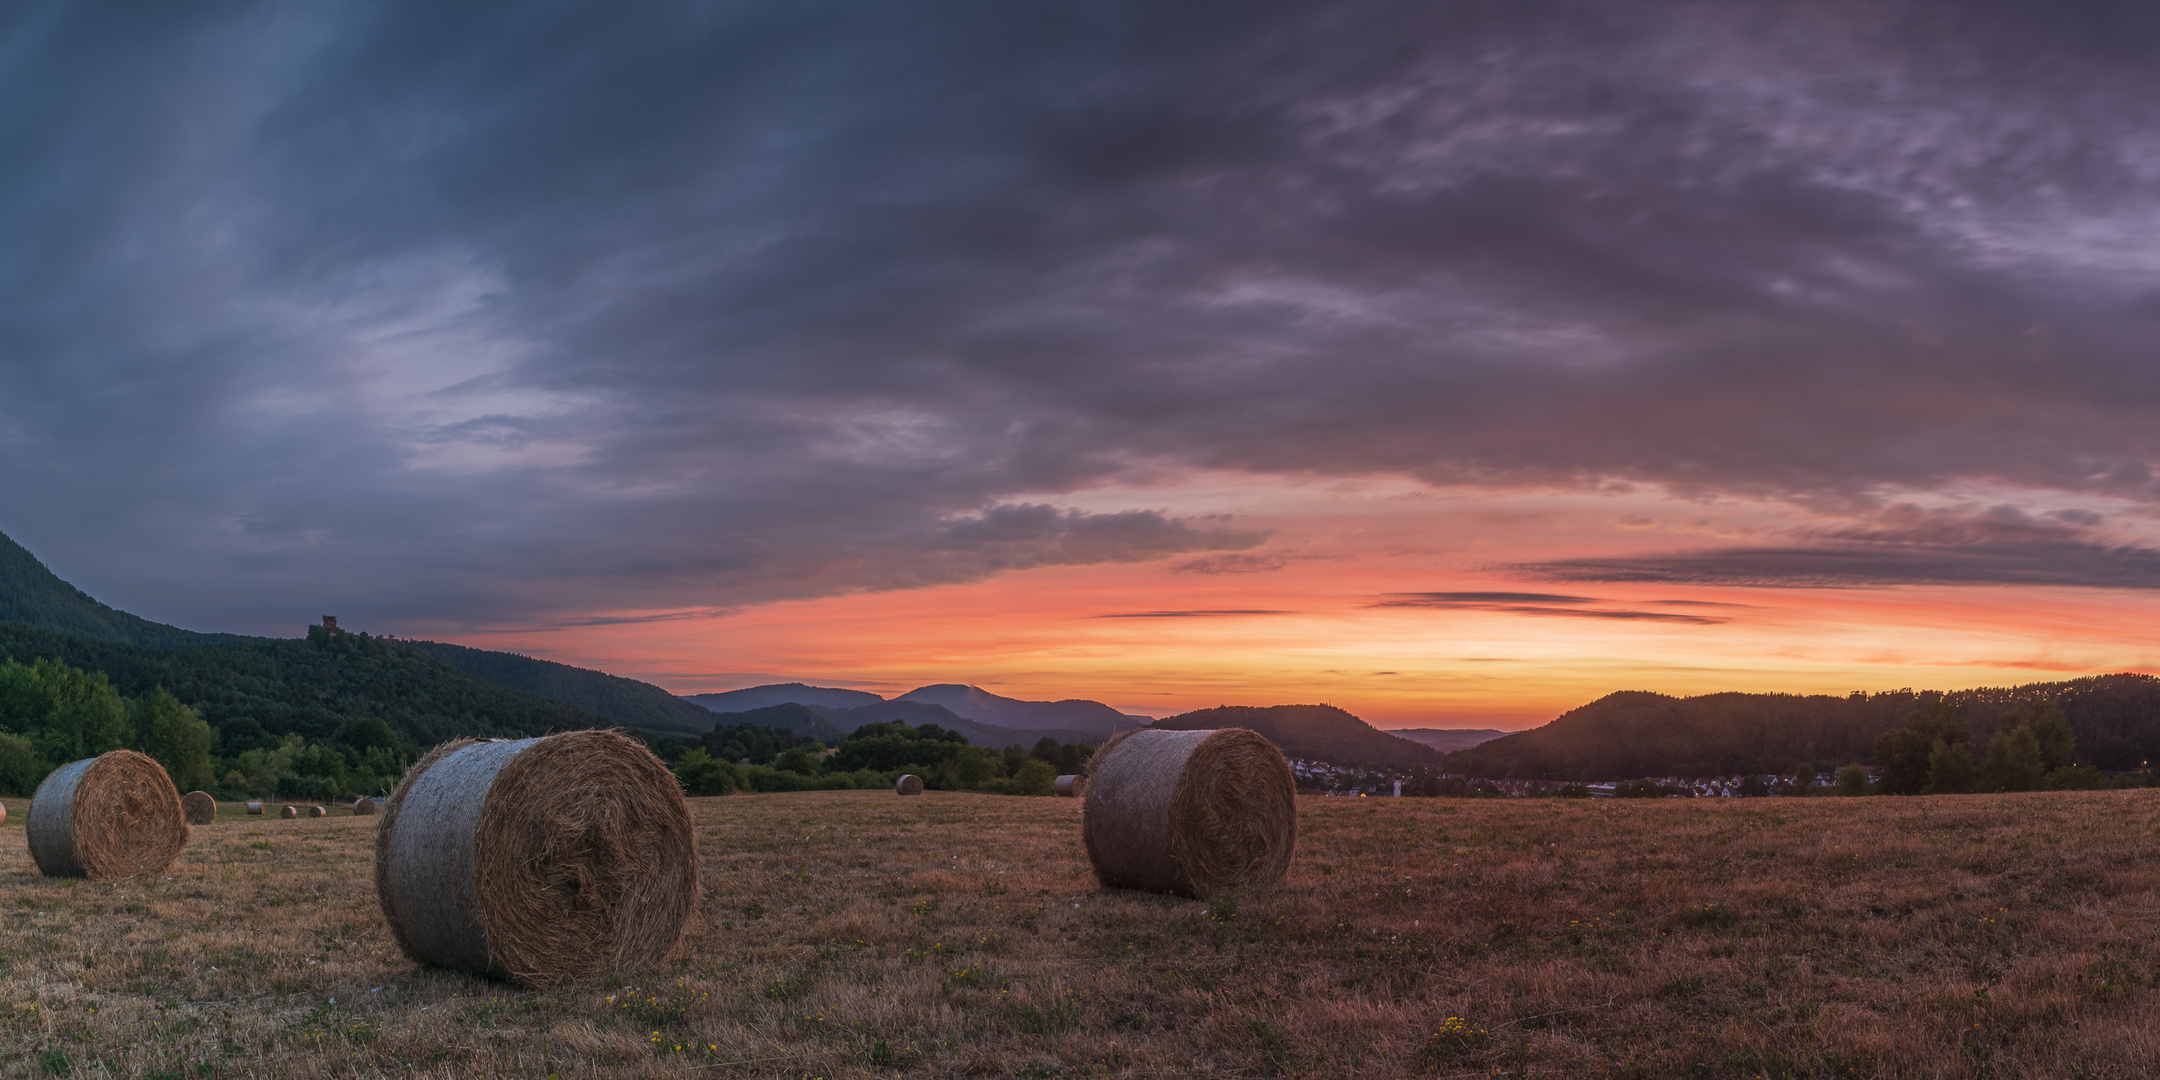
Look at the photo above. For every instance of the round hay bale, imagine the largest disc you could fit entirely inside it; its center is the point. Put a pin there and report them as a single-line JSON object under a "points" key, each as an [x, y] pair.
{"points": [[3, 813], [289, 811], [363, 807], [908, 784], [317, 811], [254, 808], [539, 860], [1071, 787], [199, 806], [1189, 812], [105, 817]]}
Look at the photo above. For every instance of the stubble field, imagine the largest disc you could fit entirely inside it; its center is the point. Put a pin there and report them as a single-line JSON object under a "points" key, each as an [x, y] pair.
{"points": [[858, 934]]}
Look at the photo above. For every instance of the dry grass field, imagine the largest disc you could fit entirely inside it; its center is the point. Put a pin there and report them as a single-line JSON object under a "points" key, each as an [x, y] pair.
{"points": [[858, 934]]}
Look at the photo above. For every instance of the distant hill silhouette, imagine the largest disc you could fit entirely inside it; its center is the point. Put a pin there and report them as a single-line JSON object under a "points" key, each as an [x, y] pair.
{"points": [[986, 718], [1446, 740], [982, 706], [625, 701], [800, 719], [2116, 719], [759, 697], [1322, 732]]}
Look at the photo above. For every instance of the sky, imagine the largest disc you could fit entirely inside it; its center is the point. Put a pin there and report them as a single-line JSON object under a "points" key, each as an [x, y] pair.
{"points": [[1453, 363]]}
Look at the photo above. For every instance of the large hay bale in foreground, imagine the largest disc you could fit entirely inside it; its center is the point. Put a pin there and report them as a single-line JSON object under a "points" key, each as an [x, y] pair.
{"points": [[254, 808], [1071, 786], [288, 811], [908, 784], [109, 816], [1189, 812], [200, 807], [363, 807], [540, 860]]}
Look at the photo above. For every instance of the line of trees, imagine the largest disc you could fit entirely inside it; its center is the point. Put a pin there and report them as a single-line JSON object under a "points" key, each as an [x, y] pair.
{"points": [[52, 713], [746, 757], [1932, 753]]}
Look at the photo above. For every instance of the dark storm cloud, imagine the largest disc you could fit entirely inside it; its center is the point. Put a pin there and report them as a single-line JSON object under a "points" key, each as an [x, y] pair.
{"points": [[467, 312], [1537, 604], [2002, 547]]}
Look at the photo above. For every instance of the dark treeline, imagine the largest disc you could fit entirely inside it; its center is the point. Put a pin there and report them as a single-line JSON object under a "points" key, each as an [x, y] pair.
{"points": [[752, 757], [2115, 720], [317, 718]]}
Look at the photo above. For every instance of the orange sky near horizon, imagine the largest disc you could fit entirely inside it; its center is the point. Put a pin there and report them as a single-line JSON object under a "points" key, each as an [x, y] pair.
{"points": [[1303, 620]]}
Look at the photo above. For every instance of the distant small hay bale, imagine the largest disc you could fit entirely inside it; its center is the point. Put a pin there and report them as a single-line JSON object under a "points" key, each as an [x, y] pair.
{"points": [[254, 808], [1189, 812], [290, 811], [110, 816], [1071, 787], [539, 860], [317, 811], [363, 807], [3, 813], [199, 806], [908, 784]]}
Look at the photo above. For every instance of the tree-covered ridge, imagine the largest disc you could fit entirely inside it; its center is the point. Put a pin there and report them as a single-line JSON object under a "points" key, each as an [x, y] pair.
{"points": [[311, 686], [32, 594], [2115, 718], [625, 701]]}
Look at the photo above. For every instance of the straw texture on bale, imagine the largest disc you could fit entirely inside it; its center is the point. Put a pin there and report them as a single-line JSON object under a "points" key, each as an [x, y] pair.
{"points": [[363, 807], [317, 811], [908, 784], [254, 808], [199, 807], [110, 816], [289, 811], [1071, 787], [1189, 812], [539, 860]]}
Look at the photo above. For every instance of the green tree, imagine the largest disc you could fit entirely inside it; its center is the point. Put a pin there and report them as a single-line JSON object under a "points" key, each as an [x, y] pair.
{"points": [[1803, 780], [700, 774], [1852, 780], [21, 769], [2051, 729], [2013, 758], [1907, 751], [1034, 777], [974, 766], [171, 732], [1950, 769]]}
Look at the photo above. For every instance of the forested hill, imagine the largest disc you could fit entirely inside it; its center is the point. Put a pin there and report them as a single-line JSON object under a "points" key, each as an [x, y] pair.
{"points": [[310, 686], [32, 594], [1321, 732], [2116, 719], [625, 701]]}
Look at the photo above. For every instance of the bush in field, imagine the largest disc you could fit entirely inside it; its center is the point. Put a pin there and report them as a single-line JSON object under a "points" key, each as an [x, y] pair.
{"points": [[700, 774], [1852, 780], [1908, 751]]}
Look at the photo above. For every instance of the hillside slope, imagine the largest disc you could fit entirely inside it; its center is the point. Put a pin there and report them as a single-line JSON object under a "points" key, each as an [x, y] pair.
{"points": [[1447, 740], [310, 686], [625, 701], [2116, 719], [980, 705], [1321, 732], [35, 596], [794, 693]]}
